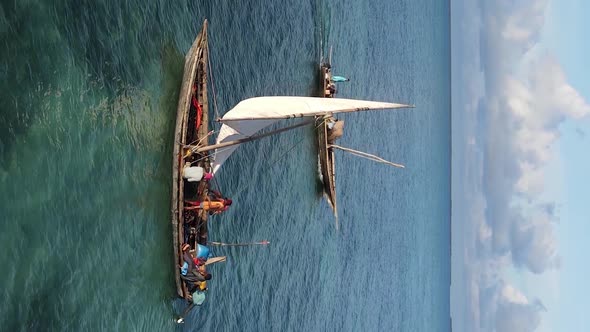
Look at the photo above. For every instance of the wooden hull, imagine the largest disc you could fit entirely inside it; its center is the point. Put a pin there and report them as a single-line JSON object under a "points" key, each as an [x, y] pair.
{"points": [[327, 165], [325, 153], [193, 90]]}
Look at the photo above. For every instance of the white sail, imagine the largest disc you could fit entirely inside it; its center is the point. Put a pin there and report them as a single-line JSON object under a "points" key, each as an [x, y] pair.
{"points": [[252, 115]]}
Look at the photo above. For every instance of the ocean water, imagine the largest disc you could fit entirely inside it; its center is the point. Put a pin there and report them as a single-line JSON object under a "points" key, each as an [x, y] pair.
{"points": [[87, 110]]}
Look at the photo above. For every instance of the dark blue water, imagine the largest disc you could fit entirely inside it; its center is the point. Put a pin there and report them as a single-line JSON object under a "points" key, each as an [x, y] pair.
{"points": [[87, 111]]}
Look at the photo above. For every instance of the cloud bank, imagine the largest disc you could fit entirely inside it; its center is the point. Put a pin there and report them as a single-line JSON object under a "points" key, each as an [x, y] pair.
{"points": [[512, 120]]}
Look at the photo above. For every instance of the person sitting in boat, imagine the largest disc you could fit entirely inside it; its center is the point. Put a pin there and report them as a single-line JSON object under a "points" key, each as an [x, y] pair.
{"points": [[215, 204], [193, 274], [332, 89]]}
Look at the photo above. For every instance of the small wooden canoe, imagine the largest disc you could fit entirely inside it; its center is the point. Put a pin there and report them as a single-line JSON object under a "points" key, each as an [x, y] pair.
{"points": [[191, 128], [327, 164], [325, 153]]}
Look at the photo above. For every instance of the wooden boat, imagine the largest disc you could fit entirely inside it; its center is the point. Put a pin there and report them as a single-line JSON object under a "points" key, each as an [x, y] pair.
{"points": [[326, 159], [191, 128], [327, 163], [329, 129]]}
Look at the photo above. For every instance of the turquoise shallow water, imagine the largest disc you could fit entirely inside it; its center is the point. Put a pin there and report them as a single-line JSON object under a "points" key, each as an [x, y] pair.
{"points": [[87, 114]]}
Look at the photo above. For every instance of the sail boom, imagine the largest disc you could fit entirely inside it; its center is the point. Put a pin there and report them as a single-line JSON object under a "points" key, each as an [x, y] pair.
{"points": [[314, 114], [250, 138]]}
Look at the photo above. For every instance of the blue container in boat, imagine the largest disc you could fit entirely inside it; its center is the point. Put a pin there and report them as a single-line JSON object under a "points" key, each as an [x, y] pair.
{"points": [[202, 251]]}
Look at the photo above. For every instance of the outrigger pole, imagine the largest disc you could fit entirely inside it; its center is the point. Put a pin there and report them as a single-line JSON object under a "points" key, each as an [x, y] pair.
{"points": [[247, 139], [366, 156], [261, 243], [180, 319]]}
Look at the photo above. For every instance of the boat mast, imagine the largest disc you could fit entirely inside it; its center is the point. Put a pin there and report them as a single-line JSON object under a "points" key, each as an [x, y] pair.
{"points": [[366, 155], [249, 139]]}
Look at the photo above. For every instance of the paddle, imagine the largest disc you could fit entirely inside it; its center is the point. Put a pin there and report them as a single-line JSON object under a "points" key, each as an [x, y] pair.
{"points": [[261, 243], [180, 319], [214, 260]]}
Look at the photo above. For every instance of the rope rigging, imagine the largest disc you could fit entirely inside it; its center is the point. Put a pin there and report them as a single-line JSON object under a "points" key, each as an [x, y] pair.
{"points": [[275, 162], [217, 115]]}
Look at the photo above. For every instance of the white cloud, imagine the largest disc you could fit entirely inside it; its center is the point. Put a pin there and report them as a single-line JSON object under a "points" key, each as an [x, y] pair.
{"points": [[503, 308], [523, 119], [513, 295], [517, 317], [523, 97]]}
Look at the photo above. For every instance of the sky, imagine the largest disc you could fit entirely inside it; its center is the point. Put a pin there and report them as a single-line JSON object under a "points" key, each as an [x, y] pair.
{"points": [[521, 153]]}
